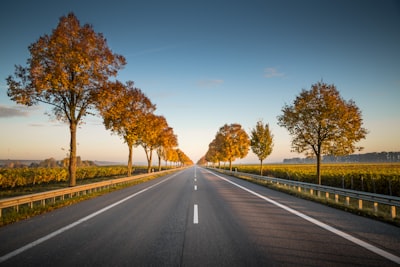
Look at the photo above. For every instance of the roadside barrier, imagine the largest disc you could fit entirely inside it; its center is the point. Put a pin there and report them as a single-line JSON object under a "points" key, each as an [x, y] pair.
{"points": [[329, 193], [60, 194]]}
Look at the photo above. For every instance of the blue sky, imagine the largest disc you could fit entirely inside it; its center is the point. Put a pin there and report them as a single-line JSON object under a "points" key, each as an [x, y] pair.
{"points": [[207, 63]]}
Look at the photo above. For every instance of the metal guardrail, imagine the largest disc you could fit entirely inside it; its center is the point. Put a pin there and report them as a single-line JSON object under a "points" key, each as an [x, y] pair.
{"points": [[15, 202], [376, 199]]}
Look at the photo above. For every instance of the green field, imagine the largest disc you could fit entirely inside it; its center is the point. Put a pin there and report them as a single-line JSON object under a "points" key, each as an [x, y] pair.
{"points": [[380, 178]]}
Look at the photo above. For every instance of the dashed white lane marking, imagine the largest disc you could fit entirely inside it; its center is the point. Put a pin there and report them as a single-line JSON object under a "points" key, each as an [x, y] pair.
{"points": [[329, 228], [195, 187], [69, 226], [195, 179], [196, 214]]}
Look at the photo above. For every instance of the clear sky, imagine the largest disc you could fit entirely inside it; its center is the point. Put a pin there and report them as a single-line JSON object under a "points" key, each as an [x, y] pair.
{"points": [[207, 63]]}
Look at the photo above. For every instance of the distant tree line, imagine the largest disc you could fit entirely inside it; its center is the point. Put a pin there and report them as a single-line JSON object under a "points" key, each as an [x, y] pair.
{"points": [[366, 157]]}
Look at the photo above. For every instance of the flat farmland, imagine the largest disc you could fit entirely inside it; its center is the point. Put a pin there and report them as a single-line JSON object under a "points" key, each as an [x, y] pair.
{"points": [[380, 178]]}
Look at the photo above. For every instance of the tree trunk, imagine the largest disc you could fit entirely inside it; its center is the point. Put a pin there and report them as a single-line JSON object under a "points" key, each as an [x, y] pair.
{"points": [[149, 159], [261, 167], [230, 165], [72, 155], [319, 164], [130, 159], [159, 163]]}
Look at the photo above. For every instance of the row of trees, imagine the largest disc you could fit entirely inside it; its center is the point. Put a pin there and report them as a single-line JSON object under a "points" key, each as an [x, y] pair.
{"points": [[232, 142], [73, 70], [320, 122]]}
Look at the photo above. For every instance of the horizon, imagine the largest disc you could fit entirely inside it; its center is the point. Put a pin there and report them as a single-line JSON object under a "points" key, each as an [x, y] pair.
{"points": [[203, 67]]}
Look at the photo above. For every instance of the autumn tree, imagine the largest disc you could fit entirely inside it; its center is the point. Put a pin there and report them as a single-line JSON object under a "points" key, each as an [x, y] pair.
{"points": [[66, 70], [124, 109], [261, 142], [321, 122], [183, 158], [232, 142], [214, 153], [149, 135], [167, 141]]}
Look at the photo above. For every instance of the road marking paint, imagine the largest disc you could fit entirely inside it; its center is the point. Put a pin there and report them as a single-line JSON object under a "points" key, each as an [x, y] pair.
{"points": [[195, 214], [195, 187], [195, 168], [325, 226], [69, 226], [195, 179]]}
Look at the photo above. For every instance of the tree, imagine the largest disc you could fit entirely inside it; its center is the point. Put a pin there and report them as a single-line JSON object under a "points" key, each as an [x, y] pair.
{"points": [[123, 109], [321, 122], [261, 142], [149, 135], [167, 141], [183, 158], [66, 70], [214, 153], [232, 142]]}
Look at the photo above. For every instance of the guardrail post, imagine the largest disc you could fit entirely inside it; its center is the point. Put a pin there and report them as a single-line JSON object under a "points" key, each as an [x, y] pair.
{"points": [[327, 195], [393, 211], [1, 211], [299, 189], [360, 204], [311, 191], [375, 207], [336, 198], [347, 201]]}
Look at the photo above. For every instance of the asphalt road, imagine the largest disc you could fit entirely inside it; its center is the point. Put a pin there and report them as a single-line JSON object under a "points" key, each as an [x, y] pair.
{"points": [[197, 218]]}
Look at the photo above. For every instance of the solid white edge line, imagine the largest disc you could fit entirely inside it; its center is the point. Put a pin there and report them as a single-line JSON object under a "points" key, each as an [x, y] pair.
{"points": [[195, 214], [351, 238], [69, 226]]}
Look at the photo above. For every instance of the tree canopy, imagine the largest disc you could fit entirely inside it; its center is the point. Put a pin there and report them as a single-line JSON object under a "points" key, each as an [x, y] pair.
{"points": [[66, 70], [124, 109], [261, 142], [321, 122], [231, 142]]}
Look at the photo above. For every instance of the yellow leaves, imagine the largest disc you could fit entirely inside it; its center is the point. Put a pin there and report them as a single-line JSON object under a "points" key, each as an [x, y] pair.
{"points": [[230, 142], [321, 117]]}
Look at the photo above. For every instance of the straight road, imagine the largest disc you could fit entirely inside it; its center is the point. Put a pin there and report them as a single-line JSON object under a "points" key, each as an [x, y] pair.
{"points": [[197, 218]]}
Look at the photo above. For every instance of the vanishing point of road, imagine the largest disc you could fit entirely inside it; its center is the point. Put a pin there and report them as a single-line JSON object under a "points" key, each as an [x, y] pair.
{"points": [[195, 217]]}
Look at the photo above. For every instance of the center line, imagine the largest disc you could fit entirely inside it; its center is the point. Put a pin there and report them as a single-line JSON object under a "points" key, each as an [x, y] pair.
{"points": [[195, 187], [195, 215]]}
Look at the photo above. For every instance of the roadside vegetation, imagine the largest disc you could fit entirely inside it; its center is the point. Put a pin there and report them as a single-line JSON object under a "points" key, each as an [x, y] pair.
{"points": [[11, 215], [379, 178]]}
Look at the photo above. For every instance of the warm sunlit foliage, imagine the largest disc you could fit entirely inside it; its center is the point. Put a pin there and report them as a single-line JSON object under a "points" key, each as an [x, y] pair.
{"points": [[167, 141], [151, 134], [321, 122], [231, 142], [66, 70], [261, 142], [124, 109]]}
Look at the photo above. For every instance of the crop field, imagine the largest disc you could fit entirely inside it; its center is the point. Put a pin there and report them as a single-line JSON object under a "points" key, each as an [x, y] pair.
{"points": [[18, 181], [380, 178]]}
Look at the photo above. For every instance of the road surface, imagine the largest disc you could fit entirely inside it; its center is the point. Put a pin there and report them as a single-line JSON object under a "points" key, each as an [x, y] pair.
{"points": [[198, 218]]}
